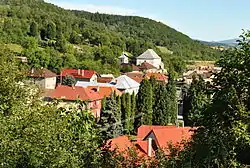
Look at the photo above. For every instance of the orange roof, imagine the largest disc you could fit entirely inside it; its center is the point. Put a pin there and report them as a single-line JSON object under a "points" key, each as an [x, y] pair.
{"points": [[123, 143], [157, 76], [75, 93], [137, 79], [172, 135], [105, 91], [144, 130], [78, 73]]}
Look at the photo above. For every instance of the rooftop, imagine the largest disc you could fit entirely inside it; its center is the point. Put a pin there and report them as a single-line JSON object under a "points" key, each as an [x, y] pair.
{"points": [[75, 93], [149, 54], [41, 73], [125, 82], [78, 73]]}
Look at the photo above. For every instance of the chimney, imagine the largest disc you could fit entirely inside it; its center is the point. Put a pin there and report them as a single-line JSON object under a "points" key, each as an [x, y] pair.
{"points": [[32, 70], [73, 87], [98, 88], [149, 147], [82, 72], [79, 72]]}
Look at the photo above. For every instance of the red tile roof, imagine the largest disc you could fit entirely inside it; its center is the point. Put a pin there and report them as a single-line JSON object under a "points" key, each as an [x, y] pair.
{"points": [[137, 79], [123, 143], [75, 93], [78, 73], [105, 91], [144, 130], [41, 73], [172, 135], [157, 76], [104, 79], [146, 66]]}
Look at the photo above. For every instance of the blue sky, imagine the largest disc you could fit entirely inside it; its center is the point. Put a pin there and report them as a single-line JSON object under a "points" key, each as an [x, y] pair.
{"points": [[210, 20]]}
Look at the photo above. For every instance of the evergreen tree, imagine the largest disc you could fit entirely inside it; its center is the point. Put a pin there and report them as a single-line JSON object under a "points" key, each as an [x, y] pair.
{"points": [[61, 44], [195, 101], [154, 85], [133, 110], [127, 120], [34, 29], [172, 107], [110, 120], [51, 31], [144, 104], [160, 112], [69, 80]]}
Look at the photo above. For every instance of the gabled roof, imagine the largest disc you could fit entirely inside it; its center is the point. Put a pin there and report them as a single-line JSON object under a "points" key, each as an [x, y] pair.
{"points": [[123, 143], [149, 54], [105, 91], [125, 82], [171, 135], [86, 84], [146, 66], [41, 73], [75, 93], [123, 56], [104, 79], [144, 130], [78, 73], [157, 76]]}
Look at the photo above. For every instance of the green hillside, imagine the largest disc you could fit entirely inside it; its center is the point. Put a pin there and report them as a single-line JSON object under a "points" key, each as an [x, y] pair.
{"points": [[56, 38]]}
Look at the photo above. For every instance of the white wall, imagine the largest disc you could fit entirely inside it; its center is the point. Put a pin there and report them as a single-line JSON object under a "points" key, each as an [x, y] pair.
{"points": [[50, 83], [93, 78], [131, 90], [123, 60], [154, 62]]}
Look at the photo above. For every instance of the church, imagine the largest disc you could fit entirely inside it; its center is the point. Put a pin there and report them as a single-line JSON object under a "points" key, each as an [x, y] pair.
{"points": [[150, 57]]}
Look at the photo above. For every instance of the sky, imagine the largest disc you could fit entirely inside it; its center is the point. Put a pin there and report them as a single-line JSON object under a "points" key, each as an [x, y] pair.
{"points": [[208, 20]]}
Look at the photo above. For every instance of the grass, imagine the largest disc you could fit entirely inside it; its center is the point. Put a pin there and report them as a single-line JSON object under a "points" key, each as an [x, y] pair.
{"points": [[15, 48], [164, 50]]}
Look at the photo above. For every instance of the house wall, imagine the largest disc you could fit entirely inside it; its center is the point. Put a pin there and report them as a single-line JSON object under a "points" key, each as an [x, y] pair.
{"points": [[130, 91], [50, 83], [93, 78], [123, 60], [155, 62], [40, 82]]}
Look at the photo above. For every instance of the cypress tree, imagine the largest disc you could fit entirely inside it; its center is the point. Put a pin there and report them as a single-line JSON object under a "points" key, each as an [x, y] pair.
{"points": [[133, 111], [34, 29], [172, 101], [51, 30], [128, 127], [144, 104], [160, 113], [110, 121]]}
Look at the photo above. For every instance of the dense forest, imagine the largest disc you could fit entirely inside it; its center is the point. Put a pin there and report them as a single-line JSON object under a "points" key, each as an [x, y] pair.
{"points": [[55, 38]]}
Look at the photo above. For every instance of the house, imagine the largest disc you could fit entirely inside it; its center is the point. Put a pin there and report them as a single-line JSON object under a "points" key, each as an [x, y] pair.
{"points": [[150, 57], [147, 67], [105, 91], [158, 76], [80, 75], [152, 138], [43, 77], [123, 59], [125, 84], [69, 95]]}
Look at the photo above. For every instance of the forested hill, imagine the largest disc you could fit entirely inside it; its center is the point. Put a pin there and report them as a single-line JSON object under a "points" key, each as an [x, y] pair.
{"points": [[152, 31], [56, 38]]}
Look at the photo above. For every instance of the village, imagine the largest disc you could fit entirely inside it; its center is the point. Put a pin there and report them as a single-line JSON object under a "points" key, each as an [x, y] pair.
{"points": [[74, 85]]}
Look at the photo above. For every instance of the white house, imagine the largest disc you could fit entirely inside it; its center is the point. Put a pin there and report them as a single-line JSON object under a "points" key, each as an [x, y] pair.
{"points": [[43, 77], [123, 59], [150, 57], [125, 84]]}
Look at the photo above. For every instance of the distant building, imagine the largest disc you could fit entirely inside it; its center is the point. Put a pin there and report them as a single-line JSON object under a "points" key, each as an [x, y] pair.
{"points": [[150, 57], [125, 84], [105, 91], [43, 77], [158, 76], [80, 74], [69, 95], [123, 59]]}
